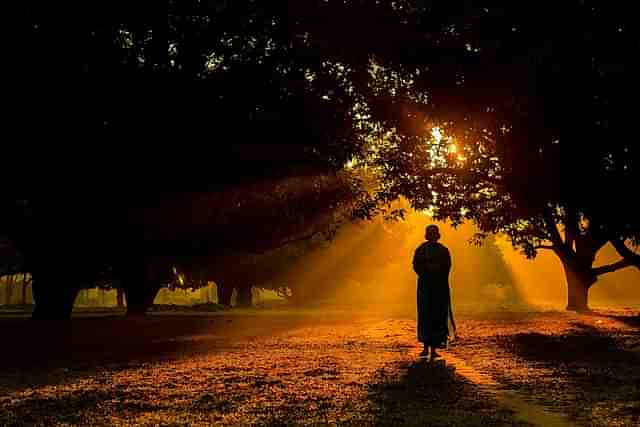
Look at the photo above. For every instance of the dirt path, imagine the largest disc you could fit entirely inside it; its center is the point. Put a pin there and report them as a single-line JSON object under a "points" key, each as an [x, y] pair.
{"points": [[523, 409], [287, 369], [584, 366]]}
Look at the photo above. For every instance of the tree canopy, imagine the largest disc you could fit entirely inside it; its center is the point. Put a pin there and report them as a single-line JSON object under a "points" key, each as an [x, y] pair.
{"points": [[543, 154], [181, 128], [178, 128]]}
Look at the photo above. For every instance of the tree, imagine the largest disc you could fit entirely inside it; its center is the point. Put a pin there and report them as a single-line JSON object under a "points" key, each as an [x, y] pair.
{"points": [[234, 74], [538, 146], [182, 67]]}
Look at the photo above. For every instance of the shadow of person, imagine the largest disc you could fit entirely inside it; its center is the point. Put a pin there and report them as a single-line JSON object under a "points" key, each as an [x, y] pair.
{"points": [[439, 362], [430, 392]]}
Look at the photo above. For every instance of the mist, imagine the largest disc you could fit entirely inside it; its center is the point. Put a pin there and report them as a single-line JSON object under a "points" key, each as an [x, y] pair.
{"points": [[367, 267]]}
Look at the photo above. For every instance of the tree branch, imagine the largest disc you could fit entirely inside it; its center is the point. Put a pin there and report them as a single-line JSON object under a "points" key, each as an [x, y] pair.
{"points": [[570, 227], [609, 268], [550, 225], [626, 253], [565, 253]]}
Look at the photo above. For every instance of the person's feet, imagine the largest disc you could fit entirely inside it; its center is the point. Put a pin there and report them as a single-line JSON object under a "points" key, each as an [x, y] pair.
{"points": [[424, 352], [434, 355]]}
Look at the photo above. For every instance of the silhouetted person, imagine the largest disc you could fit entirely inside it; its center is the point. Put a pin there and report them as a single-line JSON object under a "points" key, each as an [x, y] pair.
{"points": [[432, 263]]}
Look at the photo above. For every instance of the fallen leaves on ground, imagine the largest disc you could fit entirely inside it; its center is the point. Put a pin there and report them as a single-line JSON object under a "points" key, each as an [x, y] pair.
{"points": [[322, 370]]}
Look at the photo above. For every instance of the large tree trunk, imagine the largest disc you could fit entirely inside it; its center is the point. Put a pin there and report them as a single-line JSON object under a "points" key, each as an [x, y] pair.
{"points": [[53, 301], [120, 298], [225, 292], [9, 284], [578, 285], [139, 290], [140, 298], [245, 297], [578, 271]]}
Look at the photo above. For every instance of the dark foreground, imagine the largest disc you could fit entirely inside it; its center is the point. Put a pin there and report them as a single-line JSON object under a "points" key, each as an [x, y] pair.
{"points": [[294, 368]]}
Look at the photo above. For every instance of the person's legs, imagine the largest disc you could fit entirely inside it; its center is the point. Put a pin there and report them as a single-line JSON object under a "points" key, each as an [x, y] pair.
{"points": [[425, 350], [434, 354]]}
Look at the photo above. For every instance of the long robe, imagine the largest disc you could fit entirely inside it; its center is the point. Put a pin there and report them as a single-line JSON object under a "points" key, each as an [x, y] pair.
{"points": [[432, 264]]}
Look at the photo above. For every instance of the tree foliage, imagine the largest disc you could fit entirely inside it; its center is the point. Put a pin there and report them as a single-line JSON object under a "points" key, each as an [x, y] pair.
{"points": [[167, 129], [149, 120], [539, 143]]}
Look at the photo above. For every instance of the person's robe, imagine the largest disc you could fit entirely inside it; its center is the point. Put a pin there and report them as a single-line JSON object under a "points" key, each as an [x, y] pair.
{"points": [[432, 263]]}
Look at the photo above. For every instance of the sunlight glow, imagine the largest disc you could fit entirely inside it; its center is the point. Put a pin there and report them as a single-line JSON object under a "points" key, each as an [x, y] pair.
{"points": [[437, 135], [429, 212], [351, 164]]}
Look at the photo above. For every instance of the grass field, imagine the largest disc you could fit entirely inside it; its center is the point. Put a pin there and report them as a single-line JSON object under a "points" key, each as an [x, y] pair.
{"points": [[318, 367]]}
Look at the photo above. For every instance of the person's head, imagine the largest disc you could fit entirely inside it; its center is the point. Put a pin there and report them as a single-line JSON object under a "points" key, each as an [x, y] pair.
{"points": [[432, 233]]}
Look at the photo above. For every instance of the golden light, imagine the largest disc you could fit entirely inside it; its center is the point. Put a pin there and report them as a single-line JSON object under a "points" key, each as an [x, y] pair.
{"points": [[430, 211], [436, 133], [452, 149]]}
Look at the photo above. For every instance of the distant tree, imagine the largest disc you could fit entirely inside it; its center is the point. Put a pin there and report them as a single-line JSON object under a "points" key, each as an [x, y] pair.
{"points": [[119, 298]]}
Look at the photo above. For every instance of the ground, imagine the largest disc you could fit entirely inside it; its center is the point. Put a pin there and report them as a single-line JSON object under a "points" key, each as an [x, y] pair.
{"points": [[320, 367]]}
